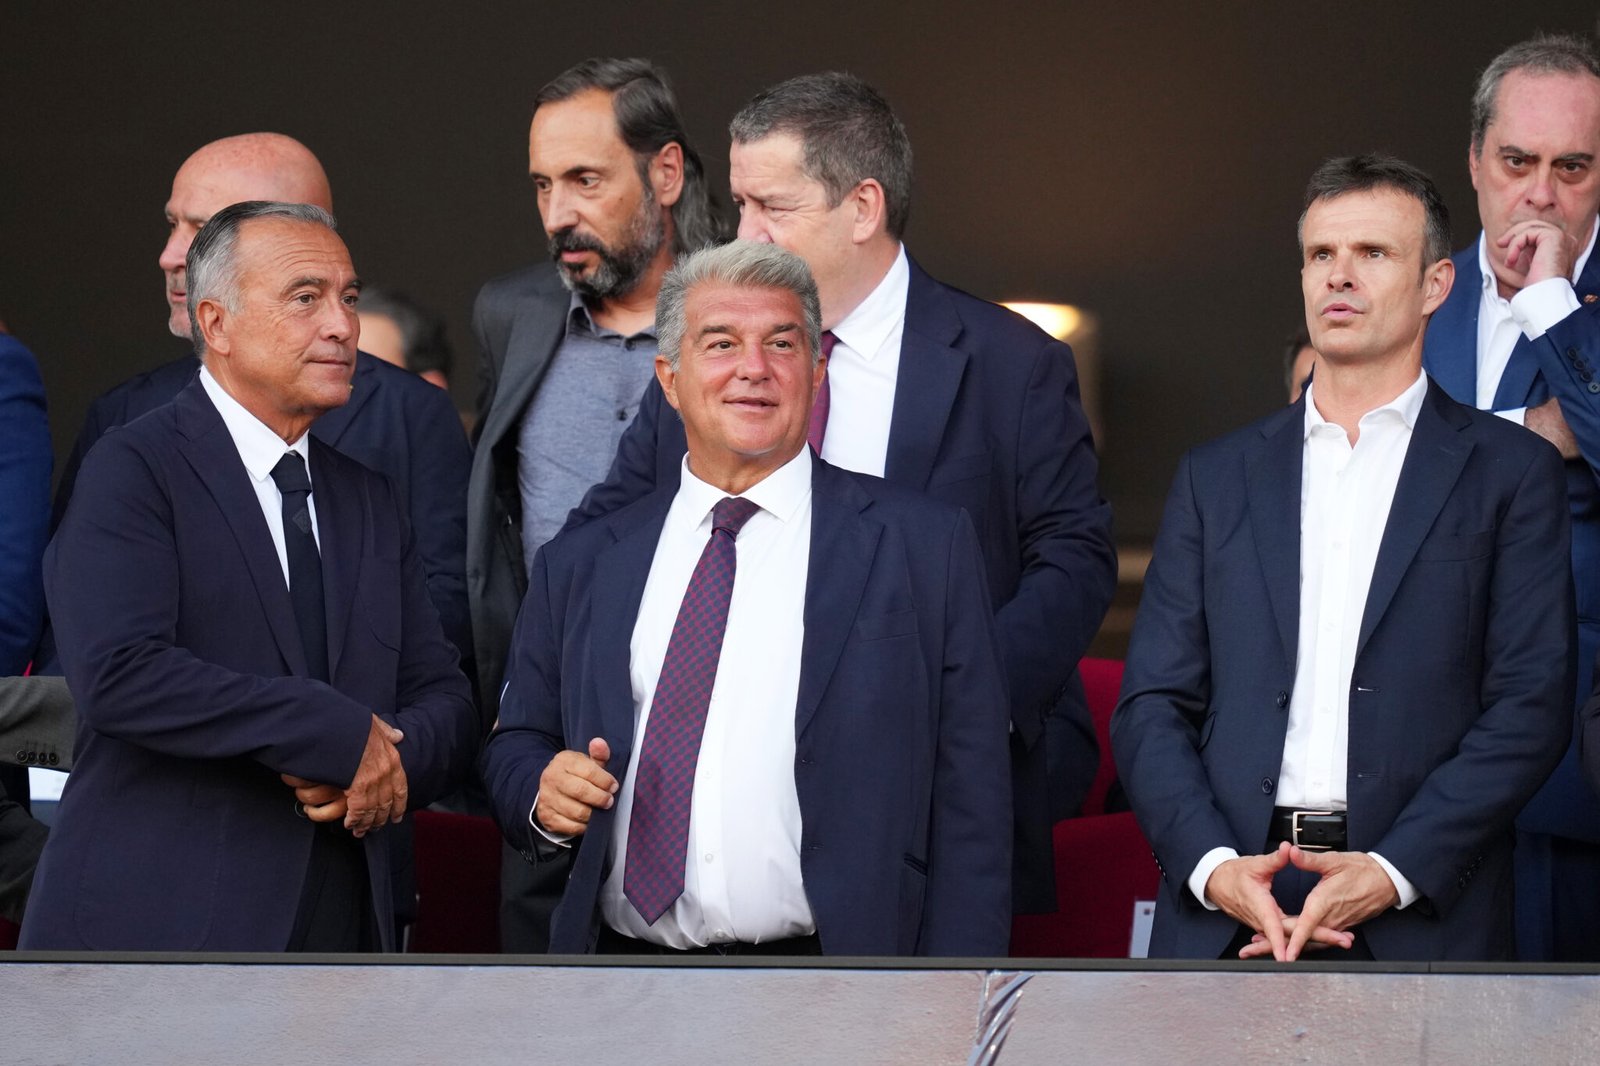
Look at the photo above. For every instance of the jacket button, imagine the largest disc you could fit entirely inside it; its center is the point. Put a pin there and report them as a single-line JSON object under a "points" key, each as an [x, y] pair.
{"points": [[22, 756], [54, 759], [1594, 386], [1266, 785], [1572, 353], [1283, 700]]}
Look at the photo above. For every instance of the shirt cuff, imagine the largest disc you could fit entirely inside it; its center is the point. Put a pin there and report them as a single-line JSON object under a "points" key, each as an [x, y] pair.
{"points": [[562, 839], [1204, 869], [1540, 306], [1519, 415], [1408, 891]]}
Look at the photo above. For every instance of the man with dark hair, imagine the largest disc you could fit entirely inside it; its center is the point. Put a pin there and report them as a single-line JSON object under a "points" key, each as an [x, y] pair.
{"points": [[403, 333], [567, 348], [261, 681], [1520, 336], [762, 709], [1353, 658], [940, 392], [393, 423], [1299, 358]]}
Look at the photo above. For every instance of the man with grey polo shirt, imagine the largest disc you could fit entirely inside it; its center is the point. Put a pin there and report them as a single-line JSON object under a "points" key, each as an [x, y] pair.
{"points": [[568, 348]]}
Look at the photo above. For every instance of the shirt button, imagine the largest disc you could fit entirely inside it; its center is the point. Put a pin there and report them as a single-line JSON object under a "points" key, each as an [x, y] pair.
{"points": [[710, 857], [1283, 699], [622, 416], [1266, 785]]}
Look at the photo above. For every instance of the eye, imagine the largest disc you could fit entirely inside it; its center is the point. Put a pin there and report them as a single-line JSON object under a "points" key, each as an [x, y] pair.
{"points": [[1376, 253], [351, 299], [541, 185], [1514, 162], [305, 299], [1572, 168], [589, 181], [783, 343]]}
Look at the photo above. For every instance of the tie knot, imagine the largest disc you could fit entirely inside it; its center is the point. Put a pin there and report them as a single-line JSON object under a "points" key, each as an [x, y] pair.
{"points": [[828, 341], [731, 513], [290, 474]]}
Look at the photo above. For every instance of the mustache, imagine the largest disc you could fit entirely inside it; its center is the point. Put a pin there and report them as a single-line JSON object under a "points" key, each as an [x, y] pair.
{"points": [[570, 240]]}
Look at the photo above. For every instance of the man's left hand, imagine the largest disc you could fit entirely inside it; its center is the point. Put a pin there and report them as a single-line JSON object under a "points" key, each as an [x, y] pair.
{"points": [[1353, 888], [321, 803]]}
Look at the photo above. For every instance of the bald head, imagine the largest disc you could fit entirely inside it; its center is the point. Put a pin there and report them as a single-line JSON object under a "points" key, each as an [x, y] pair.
{"points": [[251, 166]]}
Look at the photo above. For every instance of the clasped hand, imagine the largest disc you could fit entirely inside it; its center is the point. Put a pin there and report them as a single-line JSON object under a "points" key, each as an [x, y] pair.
{"points": [[1352, 888], [377, 794], [572, 787]]}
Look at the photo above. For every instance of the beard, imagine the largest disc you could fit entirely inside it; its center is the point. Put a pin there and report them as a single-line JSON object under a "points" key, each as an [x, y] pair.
{"points": [[617, 270]]}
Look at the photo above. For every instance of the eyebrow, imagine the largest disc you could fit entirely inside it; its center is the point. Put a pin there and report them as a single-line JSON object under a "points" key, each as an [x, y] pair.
{"points": [[309, 281], [571, 172]]}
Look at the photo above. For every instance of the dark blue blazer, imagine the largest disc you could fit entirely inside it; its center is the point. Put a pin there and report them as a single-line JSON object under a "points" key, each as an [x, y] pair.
{"points": [[25, 456], [1564, 363], [986, 417], [1459, 700], [394, 422], [181, 648], [900, 727]]}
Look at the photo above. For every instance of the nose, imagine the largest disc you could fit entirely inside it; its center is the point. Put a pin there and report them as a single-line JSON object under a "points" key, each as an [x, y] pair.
{"points": [[753, 364], [753, 226], [1542, 189], [1340, 276], [557, 211], [177, 249], [341, 323]]}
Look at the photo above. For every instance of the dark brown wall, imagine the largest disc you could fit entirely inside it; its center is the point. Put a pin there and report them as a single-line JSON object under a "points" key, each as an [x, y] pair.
{"points": [[1142, 159]]}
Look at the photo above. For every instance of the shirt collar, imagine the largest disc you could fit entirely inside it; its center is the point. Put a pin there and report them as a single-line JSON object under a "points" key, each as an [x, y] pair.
{"points": [[1406, 406], [258, 446], [780, 493], [1487, 271], [579, 320], [866, 327]]}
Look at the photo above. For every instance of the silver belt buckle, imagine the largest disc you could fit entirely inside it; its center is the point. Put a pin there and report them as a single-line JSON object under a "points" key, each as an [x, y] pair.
{"points": [[1294, 831]]}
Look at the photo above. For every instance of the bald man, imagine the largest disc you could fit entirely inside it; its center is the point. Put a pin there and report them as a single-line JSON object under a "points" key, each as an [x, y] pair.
{"points": [[395, 423]]}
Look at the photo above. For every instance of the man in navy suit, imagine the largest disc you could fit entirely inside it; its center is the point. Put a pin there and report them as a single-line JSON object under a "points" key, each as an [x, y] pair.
{"points": [[797, 743], [1354, 655], [395, 422], [261, 680], [1520, 336], [942, 393]]}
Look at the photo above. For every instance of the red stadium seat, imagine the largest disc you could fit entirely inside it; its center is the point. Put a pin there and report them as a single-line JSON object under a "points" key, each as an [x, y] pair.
{"points": [[458, 884]]}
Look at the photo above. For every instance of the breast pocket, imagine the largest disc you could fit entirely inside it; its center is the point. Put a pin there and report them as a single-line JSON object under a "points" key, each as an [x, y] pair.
{"points": [[1445, 547], [884, 626]]}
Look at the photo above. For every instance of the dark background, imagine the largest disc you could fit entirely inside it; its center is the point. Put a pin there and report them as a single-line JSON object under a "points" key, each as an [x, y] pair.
{"points": [[1144, 160]]}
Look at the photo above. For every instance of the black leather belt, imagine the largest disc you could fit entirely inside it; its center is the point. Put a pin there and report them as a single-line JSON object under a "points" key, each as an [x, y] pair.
{"points": [[615, 943], [1311, 830]]}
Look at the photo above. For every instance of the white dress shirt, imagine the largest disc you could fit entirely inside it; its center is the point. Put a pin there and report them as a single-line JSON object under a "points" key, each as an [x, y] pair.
{"points": [[260, 449], [742, 876], [862, 373], [1501, 322], [1345, 496]]}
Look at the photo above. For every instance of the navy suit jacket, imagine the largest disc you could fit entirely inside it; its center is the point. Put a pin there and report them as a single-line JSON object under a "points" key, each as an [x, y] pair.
{"points": [[394, 423], [1459, 698], [900, 723], [181, 648], [25, 455], [1564, 363], [986, 417]]}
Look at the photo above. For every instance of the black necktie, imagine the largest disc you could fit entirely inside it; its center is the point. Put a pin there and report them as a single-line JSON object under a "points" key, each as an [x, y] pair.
{"points": [[305, 565]]}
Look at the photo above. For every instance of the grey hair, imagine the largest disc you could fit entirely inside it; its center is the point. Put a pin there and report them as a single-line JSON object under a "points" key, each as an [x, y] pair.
{"points": [[849, 134], [213, 257], [647, 121], [748, 264], [1544, 53]]}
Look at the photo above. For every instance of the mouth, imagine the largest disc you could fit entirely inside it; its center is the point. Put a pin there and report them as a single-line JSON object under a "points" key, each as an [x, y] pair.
{"points": [[1340, 311], [752, 403]]}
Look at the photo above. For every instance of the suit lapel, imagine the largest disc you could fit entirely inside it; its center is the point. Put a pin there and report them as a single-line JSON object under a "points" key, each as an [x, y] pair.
{"points": [[1273, 472], [1450, 353], [1433, 463], [539, 328], [843, 542], [364, 384], [620, 571], [212, 455], [340, 532], [925, 390]]}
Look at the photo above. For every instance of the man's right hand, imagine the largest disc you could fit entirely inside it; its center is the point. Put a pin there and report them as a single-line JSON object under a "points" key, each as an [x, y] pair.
{"points": [[572, 787], [1242, 887]]}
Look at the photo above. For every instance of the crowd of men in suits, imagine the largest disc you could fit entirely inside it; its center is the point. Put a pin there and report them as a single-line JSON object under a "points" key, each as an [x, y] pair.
{"points": [[752, 609]]}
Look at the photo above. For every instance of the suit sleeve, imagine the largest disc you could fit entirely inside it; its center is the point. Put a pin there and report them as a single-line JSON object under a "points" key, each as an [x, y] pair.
{"points": [[529, 732], [1166, 697], [37, 718], [1068, 562], [21, 842], [112, 575], [25, 456], [967, 909], [1525, 726], [633, 471], [1569, 352], [490, 330]]}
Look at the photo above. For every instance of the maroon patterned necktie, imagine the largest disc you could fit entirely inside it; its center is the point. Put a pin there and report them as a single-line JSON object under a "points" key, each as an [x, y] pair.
{"points": [[819, 409], [663, 784]]}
